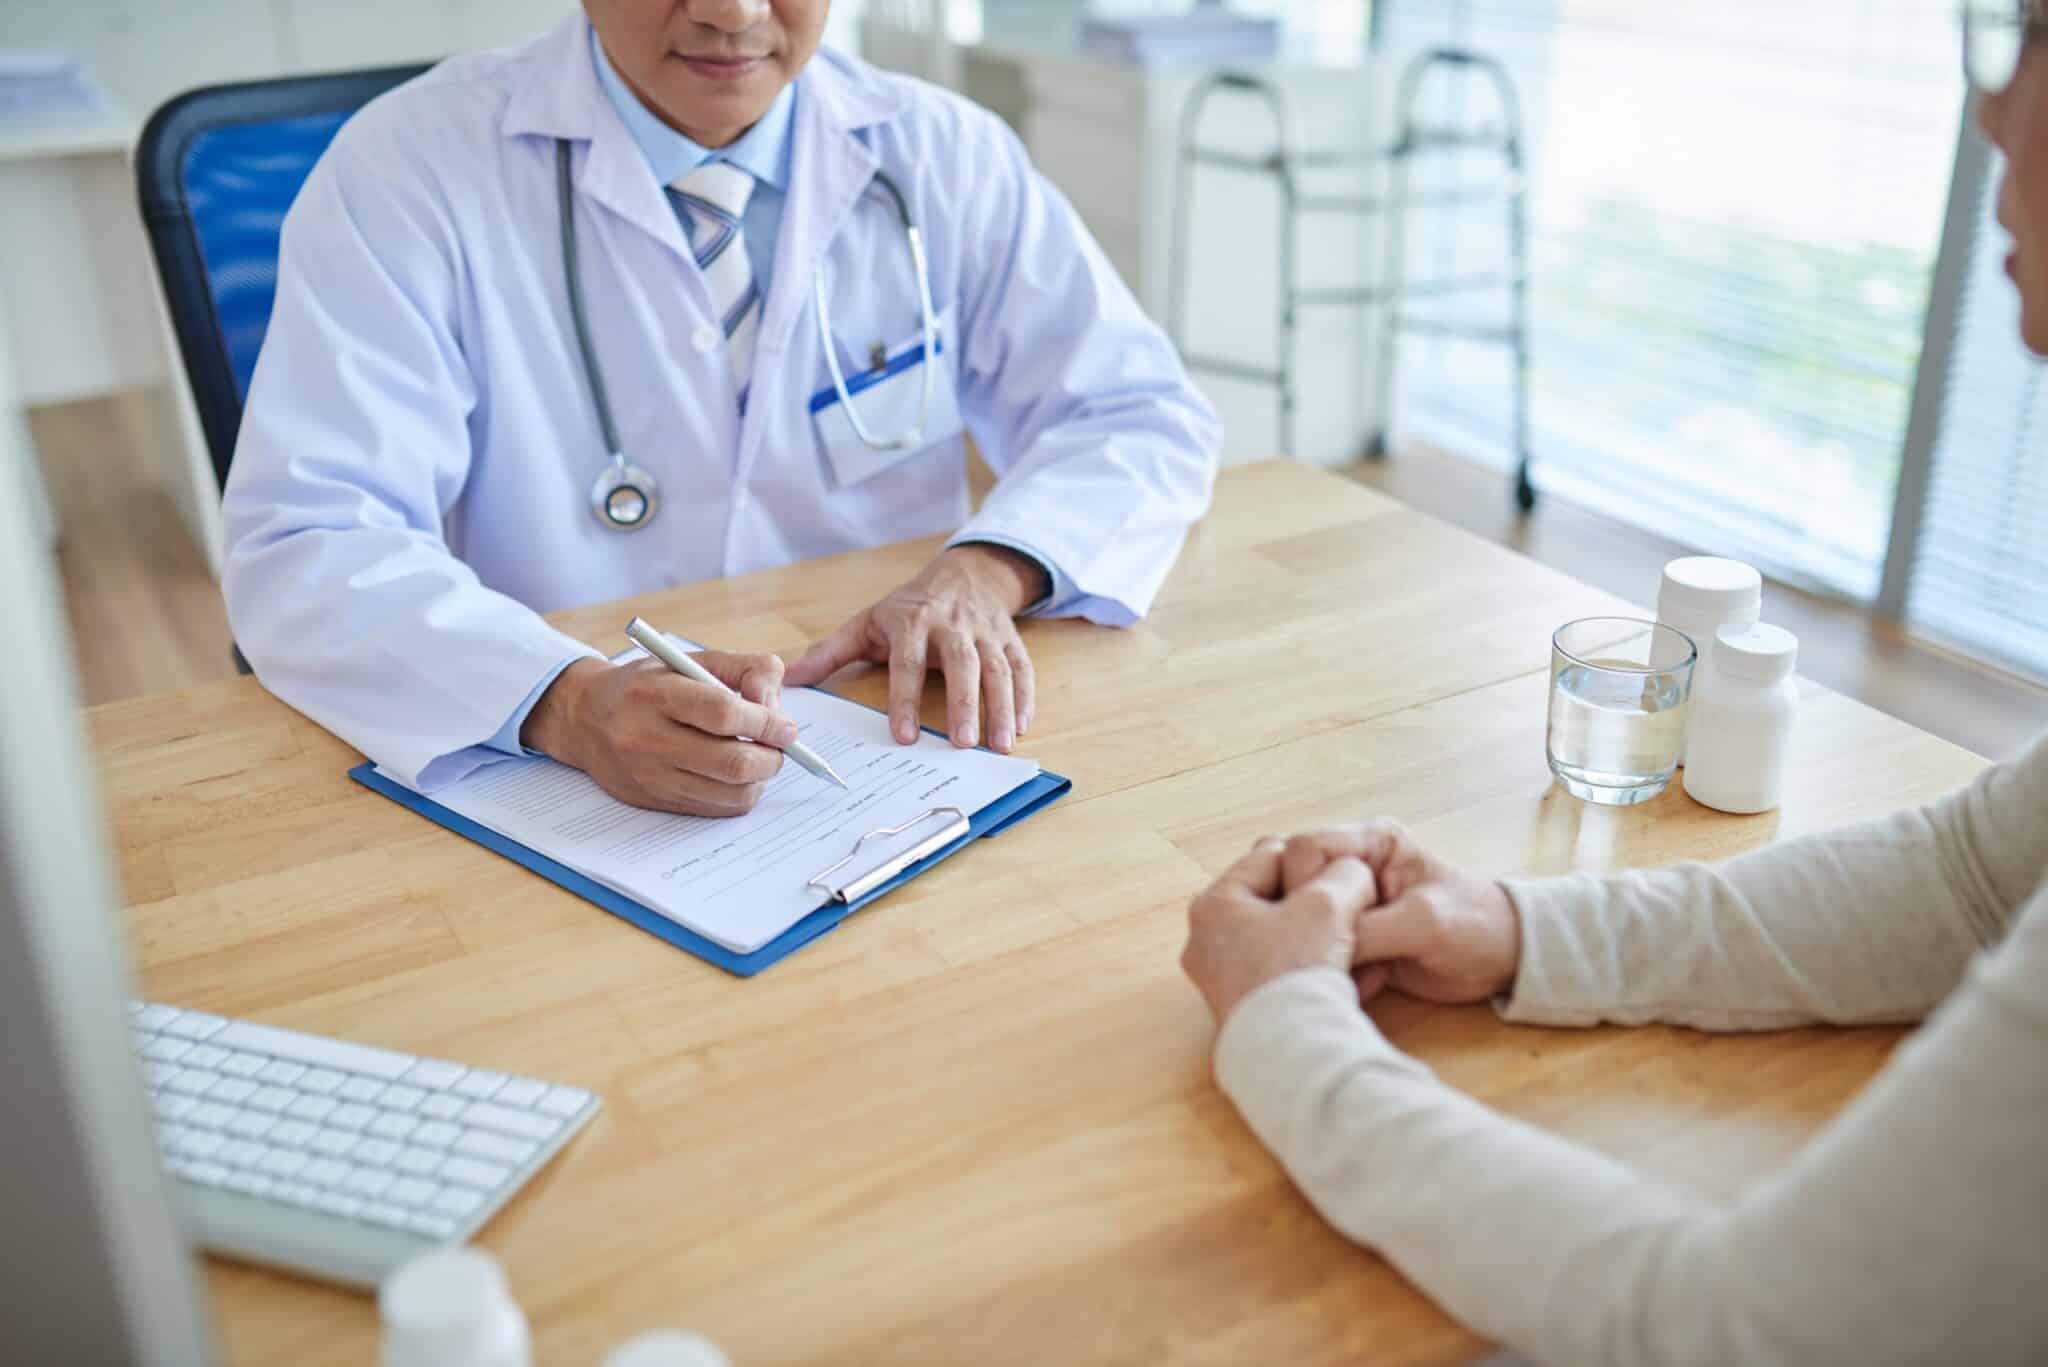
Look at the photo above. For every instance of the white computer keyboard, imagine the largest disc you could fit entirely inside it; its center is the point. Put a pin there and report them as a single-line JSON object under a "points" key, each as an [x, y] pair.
{"points": [[336, 1159]]}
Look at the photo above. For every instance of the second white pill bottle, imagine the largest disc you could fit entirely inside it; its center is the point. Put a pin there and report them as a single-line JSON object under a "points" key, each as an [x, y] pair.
{"points": [[1744, 699]]}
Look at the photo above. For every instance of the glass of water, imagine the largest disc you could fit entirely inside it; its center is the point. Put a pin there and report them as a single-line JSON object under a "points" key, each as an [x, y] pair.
{"points": [[1618, 687]]}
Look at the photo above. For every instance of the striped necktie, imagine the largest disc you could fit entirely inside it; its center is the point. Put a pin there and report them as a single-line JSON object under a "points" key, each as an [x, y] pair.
{"points": [[714, 197]]}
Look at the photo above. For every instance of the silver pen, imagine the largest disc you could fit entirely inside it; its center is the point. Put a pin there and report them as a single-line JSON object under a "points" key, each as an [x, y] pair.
{"points": [[658, 645]]}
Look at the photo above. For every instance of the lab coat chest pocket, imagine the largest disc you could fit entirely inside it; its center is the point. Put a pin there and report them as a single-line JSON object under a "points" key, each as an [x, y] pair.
{"points": [[889, 400]]}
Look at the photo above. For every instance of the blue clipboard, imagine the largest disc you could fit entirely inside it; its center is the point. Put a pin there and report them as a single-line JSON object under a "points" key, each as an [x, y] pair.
{"points": [[1025, 800]]}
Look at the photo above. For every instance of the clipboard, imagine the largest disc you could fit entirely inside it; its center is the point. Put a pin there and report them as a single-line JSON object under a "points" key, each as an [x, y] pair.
{"points": [[847, 885]]}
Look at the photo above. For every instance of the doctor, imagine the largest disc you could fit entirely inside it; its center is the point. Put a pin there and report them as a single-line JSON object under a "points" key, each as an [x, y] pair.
{"points": [[638, 304]]}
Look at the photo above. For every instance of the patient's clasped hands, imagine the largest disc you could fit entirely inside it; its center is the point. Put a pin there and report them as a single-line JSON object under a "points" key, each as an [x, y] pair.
{"points": [[1364, 899]]}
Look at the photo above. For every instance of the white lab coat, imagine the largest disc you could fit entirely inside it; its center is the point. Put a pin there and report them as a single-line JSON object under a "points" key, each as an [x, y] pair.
{"points": [[411, 485]]}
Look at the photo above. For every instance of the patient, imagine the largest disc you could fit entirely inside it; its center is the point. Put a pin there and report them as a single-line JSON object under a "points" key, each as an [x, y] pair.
{"points": [[1914, 1229]]}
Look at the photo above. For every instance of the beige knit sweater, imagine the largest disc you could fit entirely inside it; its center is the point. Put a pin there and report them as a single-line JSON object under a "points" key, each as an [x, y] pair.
{"points": [[1913, 1229]]}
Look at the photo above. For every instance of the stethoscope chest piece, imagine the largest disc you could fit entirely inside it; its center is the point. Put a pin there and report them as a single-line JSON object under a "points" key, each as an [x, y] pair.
{"points": [[623, 496]]}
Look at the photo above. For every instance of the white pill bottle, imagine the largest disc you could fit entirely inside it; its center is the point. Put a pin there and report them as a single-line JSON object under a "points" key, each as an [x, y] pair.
{"points": [[667, 1348], [1740, 731], [451, 1308], [1699, 595]]}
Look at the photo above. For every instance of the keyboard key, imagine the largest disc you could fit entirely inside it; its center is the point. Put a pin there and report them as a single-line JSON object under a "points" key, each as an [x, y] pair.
{"points": [[434, 1074], [283, 1072], [167, 1136], [251, 1125], [401, 1098], [393, 1126], [433, 1226], [296, 1193], [411, 1191], [331, 1142], [497, 1148], [456, 1201], [250, 1183], [366, 1182], [437, 1134], [311, 1108], [520, 1091], [152, 1017], [201, 1143], [282, 1162], [321, 1081], [205, 1056], [166, 1048], [339, 1203], [351, 1117], [242, 1065], [191, 1081], [211, 1114], [480, 1084], [157, 1076], [171, 1106], [379, 1213], [315, 1050], [205, 1174], [234, 1090], [441, 1107], [563, 1101], [294, 1133], [323, 1172], [376, 1151], [271, 1099], [361, 1089], [523, 1124], [194, 1025], [417, 1160], [471, 1172], [240, 1153]]}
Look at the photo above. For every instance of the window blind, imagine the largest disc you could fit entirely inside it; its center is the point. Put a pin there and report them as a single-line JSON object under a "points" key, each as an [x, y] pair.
{"points": [[1734, 218], [1979, 557]]}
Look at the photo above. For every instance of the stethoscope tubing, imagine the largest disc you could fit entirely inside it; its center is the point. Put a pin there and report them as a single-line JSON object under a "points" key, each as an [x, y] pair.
{"points": [[622, 475]]}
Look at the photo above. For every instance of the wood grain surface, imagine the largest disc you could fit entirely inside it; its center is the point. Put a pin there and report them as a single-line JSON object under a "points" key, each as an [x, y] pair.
{"points": [[976, 1124]]}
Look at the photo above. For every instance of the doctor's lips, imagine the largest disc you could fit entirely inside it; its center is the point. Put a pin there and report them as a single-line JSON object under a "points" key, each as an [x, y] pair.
{"points": [[720, 67]]}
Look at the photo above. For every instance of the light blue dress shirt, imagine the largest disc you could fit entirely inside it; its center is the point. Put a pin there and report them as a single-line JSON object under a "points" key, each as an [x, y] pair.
{"points": [[763, 152]]}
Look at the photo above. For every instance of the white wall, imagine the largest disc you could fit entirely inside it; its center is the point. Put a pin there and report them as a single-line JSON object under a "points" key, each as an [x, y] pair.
{"points": [[144, 51]]}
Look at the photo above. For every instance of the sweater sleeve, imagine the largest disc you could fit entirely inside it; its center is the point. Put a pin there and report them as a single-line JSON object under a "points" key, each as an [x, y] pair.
{"points": [[1909, 1231], [1869, 924]]}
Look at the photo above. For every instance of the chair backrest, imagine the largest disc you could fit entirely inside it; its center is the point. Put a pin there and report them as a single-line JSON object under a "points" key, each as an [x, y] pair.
{"points": [[216, 170]]}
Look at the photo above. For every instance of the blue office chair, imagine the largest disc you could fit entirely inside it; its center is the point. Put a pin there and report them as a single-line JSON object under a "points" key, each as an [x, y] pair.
{"points": [[217, 168]]}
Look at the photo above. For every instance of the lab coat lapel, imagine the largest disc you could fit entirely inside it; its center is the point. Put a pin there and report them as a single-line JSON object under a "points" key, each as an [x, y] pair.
{"points": [[830, 168], [564, 100]]}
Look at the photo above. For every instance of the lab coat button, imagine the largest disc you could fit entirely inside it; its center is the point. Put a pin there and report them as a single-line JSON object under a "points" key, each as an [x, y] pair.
{"points": [[705, 337]]}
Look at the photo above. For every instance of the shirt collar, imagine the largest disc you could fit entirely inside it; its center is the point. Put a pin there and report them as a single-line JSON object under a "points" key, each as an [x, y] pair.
{"points": [[762, 151]]}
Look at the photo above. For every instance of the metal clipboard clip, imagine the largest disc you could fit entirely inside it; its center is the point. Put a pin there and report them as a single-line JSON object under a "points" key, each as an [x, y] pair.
{"points": [[867, 882]]}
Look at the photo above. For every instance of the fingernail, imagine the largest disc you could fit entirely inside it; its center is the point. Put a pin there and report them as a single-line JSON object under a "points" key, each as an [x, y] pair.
{"points": [[781, 733], [1003, 741], [906, 731], [963, 734]]}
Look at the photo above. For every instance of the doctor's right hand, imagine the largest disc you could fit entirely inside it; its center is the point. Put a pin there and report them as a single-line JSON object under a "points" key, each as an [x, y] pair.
{"points": [[652, 738]]}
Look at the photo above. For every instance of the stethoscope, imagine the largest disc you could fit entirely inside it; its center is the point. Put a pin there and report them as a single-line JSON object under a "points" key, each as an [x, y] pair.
{"points": [[624, 496]]}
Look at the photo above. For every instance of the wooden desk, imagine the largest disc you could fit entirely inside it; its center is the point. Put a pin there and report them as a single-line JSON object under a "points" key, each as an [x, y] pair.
{"points": [[976, 1124]]}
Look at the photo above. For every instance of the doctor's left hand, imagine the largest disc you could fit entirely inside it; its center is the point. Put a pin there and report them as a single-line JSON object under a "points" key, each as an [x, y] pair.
{"points": [[957, 616]]}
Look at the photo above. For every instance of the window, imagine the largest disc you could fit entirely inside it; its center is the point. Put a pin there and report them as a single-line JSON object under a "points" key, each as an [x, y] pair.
{"points": [[1733, 224], [1969, 561]]}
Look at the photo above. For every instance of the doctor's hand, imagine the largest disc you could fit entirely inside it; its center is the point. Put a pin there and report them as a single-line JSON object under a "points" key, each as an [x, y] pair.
{"points": [[1438, 933], [958, 617], [1248, 929], [652, 738]]}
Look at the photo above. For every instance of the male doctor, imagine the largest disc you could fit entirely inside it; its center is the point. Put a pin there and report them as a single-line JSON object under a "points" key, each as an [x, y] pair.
{"points": [[423, 467]]}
